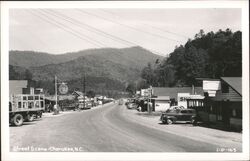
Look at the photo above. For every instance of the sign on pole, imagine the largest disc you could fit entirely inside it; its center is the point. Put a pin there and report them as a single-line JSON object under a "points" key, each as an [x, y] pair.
{"points": [[63, 88]]}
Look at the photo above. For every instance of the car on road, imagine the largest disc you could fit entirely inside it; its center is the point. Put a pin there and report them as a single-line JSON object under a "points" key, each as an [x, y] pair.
{"points": [[175, 115], [120, 102]]}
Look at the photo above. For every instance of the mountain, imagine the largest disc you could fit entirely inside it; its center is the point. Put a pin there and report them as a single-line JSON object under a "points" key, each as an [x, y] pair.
{"points": [[108, 65], [35, 59]]}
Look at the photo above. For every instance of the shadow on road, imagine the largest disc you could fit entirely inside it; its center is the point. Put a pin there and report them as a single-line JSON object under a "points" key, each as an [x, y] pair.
{"points": [[24, 124]]}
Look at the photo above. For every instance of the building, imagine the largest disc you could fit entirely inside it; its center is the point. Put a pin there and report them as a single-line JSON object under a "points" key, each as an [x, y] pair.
{"points": [[23, 95], [222, 104], [160, 103], [226, 106], [23, 87], [77, 94], [17, 86], [164, 97]]}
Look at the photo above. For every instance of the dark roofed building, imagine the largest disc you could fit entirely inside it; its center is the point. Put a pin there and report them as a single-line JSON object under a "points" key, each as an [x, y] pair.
{"points": [[234, 82], [226, 106]]}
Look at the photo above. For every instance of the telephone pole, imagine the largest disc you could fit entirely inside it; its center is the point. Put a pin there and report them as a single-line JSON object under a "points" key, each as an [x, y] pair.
{"points": [[84, 86], [56, 89]]}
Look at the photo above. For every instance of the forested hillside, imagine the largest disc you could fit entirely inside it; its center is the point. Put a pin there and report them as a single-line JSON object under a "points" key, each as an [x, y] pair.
{"points": [[211, 55], [106, 69]]}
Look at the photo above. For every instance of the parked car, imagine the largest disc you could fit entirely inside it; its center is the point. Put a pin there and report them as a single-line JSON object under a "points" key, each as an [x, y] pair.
{"points": [[175, 115], [131, 106], [175, 108]]}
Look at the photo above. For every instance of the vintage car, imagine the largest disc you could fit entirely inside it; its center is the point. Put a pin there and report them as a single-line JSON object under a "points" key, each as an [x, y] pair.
{"points": [[131, 105], [175, 115]]}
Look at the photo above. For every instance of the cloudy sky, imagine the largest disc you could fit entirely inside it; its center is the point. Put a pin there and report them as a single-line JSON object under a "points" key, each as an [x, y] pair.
{"points": [[58, 31]]}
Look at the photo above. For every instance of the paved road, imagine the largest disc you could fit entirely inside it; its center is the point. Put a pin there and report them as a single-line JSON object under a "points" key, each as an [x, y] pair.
{"points": [[102, 129]]}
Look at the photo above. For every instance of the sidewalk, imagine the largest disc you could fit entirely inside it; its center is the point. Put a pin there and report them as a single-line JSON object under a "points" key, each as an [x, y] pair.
{"points": [[61, 113]]}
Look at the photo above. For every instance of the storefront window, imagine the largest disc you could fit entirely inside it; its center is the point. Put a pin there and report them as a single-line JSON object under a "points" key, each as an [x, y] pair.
{"points": [[234, 113]]}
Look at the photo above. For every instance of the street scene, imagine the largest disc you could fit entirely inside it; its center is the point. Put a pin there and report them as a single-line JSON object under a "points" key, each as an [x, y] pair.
{"points": [[114, 128], [125, 80]]}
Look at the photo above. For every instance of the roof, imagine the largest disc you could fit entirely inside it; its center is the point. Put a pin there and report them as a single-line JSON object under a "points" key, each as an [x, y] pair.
{"points": [[77, 93], [60, 97], [162, 98], [173, 91], [234, 82]]}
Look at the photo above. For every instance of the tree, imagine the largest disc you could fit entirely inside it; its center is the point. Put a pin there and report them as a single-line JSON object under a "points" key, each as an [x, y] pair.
{"points": [[148, 74], [13, 75], [131, 88], [28, 75], [90, 94], [211, 55]]}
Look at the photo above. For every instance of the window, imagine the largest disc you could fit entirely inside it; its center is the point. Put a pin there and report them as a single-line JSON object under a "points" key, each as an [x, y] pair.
{"points": [[237, 113], [31, 104], [19, 105], [25, 104], [191, 111], [42, 104], [37, 104], [30, 98], [219, 113], [224, 88], [184, 111]]}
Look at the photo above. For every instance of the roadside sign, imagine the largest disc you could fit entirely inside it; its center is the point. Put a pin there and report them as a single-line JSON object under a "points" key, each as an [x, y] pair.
{"points": [[63, 88]]}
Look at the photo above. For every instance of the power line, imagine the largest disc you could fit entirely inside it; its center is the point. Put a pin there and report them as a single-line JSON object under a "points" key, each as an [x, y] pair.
{"points": [[157, 28], [85, 36], [87, 27], [95, 30], [130, 27], [59, 25]]}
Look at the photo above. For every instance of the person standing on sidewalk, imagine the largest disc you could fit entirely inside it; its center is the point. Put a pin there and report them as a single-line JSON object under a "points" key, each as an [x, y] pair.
{"points": [[55, 109]]}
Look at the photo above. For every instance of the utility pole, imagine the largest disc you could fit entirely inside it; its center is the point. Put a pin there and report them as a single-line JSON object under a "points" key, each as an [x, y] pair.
{"points": [[149, 100], [84, 86], [56, 89]]}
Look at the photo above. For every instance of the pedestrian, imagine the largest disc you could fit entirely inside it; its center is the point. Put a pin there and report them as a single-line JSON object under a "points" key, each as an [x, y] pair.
{"points": [[55, 109], [50, 107]]}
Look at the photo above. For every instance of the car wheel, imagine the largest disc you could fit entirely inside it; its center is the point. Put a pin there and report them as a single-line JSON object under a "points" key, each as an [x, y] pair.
{"points": [[18, 120], [169, 121], [30, 118], [194, 121], [164, 121]]}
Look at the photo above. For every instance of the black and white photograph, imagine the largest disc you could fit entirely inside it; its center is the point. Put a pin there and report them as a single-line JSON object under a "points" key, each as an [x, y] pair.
{"points": [[125, 80]]}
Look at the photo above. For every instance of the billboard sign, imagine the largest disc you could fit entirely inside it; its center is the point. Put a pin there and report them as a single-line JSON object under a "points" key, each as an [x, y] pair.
{"points": [[211, 85]]}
